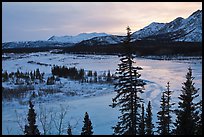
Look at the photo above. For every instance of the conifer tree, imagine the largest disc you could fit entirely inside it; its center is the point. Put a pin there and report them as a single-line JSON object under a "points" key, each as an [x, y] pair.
{"points": [[87, 128], [148, 120], [95, 77], [164, 117], [169, 121], [31, 128], [187, 112], [32, 76], [141, 129], [89, 73], [5, 76], [128, 87], [69, 130], [81, 75], [108, 79], [37, 73]]}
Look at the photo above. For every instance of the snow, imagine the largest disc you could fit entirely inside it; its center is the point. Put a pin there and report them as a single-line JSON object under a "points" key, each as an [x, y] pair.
{"points": [[76, 39], [192, 26], [94, 98], [193, 22], [33, 44], [149, 30], [104, 40]]}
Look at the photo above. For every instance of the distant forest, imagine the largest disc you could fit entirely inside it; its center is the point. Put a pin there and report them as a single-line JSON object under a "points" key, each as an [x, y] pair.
{"points": [[140, 48]]}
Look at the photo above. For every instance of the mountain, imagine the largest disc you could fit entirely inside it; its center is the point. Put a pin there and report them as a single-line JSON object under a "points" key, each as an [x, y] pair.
{"points": [[103, 40], [34, 44], [180, 29], [148, 30], [54, 41], [76, 39]]}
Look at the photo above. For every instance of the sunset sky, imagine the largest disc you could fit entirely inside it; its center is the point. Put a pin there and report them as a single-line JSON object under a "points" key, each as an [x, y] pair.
{"points": [[22, 21]]}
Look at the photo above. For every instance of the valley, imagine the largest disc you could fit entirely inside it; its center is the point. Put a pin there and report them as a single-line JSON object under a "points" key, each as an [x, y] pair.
{"points": [[94, 98]]}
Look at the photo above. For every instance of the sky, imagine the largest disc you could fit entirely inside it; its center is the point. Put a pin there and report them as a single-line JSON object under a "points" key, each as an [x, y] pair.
{"points": [[29, 21]]}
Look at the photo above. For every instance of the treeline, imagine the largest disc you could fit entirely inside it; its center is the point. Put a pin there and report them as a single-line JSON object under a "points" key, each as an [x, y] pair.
{"points": [[140, 48], [27, 50], [143, 48], [65, 72], [82, 76], [25, 81], [20, 78]]}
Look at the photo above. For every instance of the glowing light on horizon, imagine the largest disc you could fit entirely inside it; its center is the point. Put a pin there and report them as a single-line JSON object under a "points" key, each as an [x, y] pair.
{"points": [[40, 20]]}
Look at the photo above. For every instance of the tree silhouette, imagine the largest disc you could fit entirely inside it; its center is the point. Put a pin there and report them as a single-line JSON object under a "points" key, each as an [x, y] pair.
{"points": [[141, 129], [87, 128], [31, 128], [164, 117], [69, 130], [187, 112], [128, 87], [148, 120]]}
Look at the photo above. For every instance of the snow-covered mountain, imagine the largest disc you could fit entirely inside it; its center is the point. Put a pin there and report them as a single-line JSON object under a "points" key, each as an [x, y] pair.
{"points": [[189, 29], [103, 40], [34, 44], [180, 29], [54, 41], [76, 39], [148, 30], [193, 22]]}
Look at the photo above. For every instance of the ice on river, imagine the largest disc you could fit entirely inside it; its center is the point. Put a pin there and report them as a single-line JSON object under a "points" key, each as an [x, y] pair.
{"points": [[94, 98]]}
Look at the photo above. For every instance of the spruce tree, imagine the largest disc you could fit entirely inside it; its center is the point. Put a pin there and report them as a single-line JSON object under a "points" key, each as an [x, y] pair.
{"points": [[95, 77], [69, 130], [81, 75], [108, 79], [169, 121], [187, 112], [148, 120], [141, 129], [164, 117], [31, 128], [128, 87], [5, 76], [37, 73], [87, 128]]}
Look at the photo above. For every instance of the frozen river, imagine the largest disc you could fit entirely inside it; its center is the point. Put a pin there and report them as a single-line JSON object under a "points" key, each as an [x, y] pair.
{"points": [[156, 73]]}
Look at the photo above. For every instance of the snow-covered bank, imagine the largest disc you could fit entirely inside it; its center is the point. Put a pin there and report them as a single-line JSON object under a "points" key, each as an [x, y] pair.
{"points": [[94, 98]]}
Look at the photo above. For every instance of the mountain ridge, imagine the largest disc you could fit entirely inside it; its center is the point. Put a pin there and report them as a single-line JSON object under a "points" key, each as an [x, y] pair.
{"points": [[76, 39], [179, 29]]}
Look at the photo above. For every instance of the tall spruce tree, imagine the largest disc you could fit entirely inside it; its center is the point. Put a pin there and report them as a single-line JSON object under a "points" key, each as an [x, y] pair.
{"points": [[169, 121], [128, 87], [148, 120], [141, 128], [31, 128], [164, 117], [87, 128], [187, 112]]}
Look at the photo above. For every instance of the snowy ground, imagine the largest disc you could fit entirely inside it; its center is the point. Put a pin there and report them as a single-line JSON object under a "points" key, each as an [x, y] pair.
{"points": [[94, 98]]}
